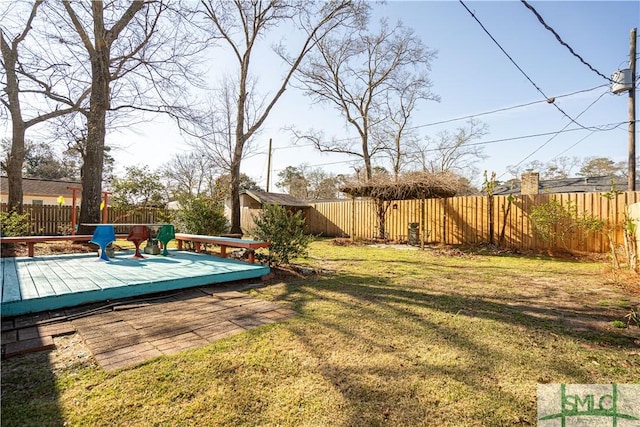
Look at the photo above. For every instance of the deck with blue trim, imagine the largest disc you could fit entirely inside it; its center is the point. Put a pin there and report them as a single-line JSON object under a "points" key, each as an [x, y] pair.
{"points": [[43, 283]]}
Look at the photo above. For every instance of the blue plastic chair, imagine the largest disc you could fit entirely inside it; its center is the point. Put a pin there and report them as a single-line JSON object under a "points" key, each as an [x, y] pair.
{"points": [[166, 233], [103, 236]]}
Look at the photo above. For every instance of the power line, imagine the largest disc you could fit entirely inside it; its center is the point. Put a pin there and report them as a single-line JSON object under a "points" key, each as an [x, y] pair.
{"points": [[562, 42], [535, 135], [520, 68], [470, 116], [573, 145], [553, 137], [604, 127], [329, 163], [500, 110]]}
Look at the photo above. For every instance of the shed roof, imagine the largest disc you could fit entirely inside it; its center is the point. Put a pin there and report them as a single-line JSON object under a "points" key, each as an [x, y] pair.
{"points": [[280, 199], [41, 187]]}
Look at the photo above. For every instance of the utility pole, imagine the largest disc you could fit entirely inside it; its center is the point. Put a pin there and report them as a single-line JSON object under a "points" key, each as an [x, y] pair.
{"points": [[269, 165], [631, 184]]}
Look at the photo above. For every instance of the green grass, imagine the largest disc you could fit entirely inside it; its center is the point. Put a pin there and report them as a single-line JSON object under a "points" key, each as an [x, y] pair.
{"points": [[384, 337]]}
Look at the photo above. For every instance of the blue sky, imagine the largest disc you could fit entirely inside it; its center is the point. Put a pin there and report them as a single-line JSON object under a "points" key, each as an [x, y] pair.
{"points": [[472, 76]]}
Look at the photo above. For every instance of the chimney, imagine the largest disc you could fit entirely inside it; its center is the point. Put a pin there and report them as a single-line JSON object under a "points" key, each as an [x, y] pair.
{"points": [[530, 183]]}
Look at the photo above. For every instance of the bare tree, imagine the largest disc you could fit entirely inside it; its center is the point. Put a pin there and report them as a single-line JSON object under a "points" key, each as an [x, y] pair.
{"points": [[452, 152], [561, 167], [323, 185], [359, 74], [189, 173], [132, 52], [517, 170], [307, 183], [241, 26], [401, 102], [98, 42], [214, 136], [30, 73], [557, 168]]}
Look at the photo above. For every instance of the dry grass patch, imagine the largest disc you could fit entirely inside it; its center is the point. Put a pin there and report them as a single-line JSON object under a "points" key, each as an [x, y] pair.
{"points": [[384, 336]]}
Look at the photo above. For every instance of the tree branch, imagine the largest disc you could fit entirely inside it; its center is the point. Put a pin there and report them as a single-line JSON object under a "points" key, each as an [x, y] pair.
{"points": [[79, 28]]}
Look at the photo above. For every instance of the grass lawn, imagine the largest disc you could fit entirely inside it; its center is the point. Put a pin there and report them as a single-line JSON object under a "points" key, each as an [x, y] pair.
{"points": [[383, 337]]}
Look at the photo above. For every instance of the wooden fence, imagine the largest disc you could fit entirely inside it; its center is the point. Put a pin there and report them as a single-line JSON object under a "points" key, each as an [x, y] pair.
{"points": [[465, 220], [456, 220], [48, 220]]}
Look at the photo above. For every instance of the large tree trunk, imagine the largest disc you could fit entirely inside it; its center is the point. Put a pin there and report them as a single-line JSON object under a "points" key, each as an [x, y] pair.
{"points": [[235, 185], [235, 199], [366, 157], [92, 176], [16, 155], [96, 122], [241, 139], [14, 165]]}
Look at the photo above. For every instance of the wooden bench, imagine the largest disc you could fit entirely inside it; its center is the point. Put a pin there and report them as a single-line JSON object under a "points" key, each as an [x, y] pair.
{"points": [[223, 242], [32, 240]]}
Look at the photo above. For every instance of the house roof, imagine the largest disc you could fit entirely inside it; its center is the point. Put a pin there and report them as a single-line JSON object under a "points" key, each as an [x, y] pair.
{"points": [[280, 199], [597, 184], [41, 187]]}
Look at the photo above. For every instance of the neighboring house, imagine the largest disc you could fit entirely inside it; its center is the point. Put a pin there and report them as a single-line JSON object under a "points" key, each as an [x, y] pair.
{"points": [[43, 191], [252, 201], [531, 184]]}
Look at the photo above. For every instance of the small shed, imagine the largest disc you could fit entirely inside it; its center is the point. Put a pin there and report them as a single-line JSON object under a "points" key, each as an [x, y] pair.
{"points": [[252, 201]]}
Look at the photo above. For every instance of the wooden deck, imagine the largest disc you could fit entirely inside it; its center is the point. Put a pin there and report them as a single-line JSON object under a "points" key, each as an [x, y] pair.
{"points": [[43, 283]]}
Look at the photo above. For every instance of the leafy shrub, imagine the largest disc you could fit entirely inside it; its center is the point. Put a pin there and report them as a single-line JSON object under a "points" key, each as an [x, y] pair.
{"points": [[285, 231], [553, 220], [201, 215], [14, 224]]}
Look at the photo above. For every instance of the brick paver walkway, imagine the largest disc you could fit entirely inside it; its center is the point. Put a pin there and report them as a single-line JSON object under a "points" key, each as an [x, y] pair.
{"points": [[140, 330]]}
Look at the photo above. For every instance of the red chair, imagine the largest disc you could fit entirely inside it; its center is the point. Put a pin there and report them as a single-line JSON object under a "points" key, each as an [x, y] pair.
{"points": [[137, 235]]}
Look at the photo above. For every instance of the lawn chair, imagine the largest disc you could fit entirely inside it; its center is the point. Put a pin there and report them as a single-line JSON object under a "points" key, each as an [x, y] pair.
{"points": [[137, 235], [103, 236], [165, 235]]}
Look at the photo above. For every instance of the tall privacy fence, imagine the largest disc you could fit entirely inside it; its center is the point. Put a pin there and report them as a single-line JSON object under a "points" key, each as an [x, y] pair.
{"points": [[49, 220], [456, 220], [466, 220]]}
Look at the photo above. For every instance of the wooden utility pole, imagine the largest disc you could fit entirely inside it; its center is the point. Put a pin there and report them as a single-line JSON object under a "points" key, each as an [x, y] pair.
{"points": [[269, 165], [631, 184]]}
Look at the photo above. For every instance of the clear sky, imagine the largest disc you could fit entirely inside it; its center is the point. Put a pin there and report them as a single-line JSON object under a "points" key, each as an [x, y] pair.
{"points": [[472, 76]]}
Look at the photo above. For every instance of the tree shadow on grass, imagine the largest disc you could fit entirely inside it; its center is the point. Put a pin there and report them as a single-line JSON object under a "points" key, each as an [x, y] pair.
{"points": [[29, 392], [379, 343], [537, 311]]}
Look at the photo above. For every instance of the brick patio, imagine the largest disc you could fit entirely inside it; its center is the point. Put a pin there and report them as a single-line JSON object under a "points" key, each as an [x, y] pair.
{"points": [[131, 332]]}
